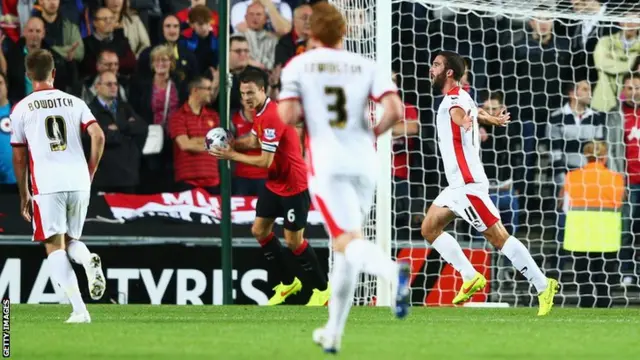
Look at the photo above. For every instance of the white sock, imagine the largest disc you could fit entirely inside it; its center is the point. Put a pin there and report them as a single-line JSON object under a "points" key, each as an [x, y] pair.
{"points": [[343, 285], [365, 256], [79, 253], [520, 257], [452, 253], [63, 274]]}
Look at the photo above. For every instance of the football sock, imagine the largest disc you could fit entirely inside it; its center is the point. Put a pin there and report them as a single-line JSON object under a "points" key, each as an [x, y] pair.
{"points": [[365, 256], [63, 274], [344, 279], [452, 253], [309, 262], [520, 257], [79, 253], [278, 259]]}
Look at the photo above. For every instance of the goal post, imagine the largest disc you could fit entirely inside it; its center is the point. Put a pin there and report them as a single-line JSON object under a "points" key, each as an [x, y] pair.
{"points": [[492, 35]]}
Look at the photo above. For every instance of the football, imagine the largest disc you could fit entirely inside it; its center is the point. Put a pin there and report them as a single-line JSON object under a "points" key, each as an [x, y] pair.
{"points": [[217, 137]]}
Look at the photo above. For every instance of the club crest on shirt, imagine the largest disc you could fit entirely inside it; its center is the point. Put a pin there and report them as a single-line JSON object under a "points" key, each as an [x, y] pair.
{"points": [[270, 134], [5, 125]]}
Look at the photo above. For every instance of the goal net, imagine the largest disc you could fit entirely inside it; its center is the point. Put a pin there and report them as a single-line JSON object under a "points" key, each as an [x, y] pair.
{"points": [[559, 67]]}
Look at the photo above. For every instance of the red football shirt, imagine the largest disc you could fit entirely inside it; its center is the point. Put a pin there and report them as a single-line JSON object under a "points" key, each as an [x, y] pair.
{"points": [[243, 128], [402, 145], [288, 173]]}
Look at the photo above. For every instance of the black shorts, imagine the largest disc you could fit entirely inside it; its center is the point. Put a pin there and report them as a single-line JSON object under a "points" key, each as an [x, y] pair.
{"points": [[294, 209]]}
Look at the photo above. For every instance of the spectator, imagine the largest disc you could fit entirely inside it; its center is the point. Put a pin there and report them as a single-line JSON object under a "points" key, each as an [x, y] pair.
{"points": [[405, 136], [262, 42], [125, 135], [247, 180], [107, 62], [3, 59], [6, 154], [573, 126], [183, 18], [630, 109], [105, 37], [133, 27], [202, 43], [33, 39], [238, 62], [534, 66], [61, 34], [614, 56], [294, 42], [593, 198], [497, 152], [156, 98], [15, 15], [186, 63], [279, 15], [194, 168], [584, 36]]}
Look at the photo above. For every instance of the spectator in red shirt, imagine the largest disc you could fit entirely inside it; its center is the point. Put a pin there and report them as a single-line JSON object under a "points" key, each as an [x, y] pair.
{"points": [[630, 108], [188, 126], [183, 16], [248, 180]]}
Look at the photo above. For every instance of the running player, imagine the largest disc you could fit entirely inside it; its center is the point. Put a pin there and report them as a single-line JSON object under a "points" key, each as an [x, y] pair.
{"points": [[467, 195], [284, 195], [47, 128], [331, 87]]}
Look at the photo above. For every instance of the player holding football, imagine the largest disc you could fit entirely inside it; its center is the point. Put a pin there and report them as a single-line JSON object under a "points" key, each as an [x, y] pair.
{"points": [[467, 195], [331, 88], [285, 194], [47, 129]]}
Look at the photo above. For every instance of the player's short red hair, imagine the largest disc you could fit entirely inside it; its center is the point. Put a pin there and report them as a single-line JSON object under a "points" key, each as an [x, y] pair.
{"points": [[327, 24]]}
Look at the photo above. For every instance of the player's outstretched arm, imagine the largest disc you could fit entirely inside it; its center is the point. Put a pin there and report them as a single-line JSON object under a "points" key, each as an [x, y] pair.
{"points": [[393, 112], [487, 119], [97, 147]]}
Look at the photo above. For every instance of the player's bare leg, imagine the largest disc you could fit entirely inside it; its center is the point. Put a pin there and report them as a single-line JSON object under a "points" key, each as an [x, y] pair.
{"points": [[63, 274], [520, 257], [281, 264], [306, 257], [79, 254], [353, 254]]}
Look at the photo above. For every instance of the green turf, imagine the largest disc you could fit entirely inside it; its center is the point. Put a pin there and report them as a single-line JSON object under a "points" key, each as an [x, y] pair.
{"points": [[210, 332]]}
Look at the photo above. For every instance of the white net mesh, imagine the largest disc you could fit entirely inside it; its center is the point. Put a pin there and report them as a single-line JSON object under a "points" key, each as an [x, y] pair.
{"points": [[534, 57]]}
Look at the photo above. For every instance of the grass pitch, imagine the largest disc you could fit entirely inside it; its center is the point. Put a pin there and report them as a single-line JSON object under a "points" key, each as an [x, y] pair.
{"points": [[282, 333]]}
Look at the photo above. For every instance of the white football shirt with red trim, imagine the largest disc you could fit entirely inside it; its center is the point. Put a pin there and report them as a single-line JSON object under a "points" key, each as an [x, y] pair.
{"points": [[50, 122], [334, 87], [460, 149]]}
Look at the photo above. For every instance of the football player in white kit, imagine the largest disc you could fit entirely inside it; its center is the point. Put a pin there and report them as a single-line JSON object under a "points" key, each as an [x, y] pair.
{"points": [[467, 195], [331, 87], [47, 127]]}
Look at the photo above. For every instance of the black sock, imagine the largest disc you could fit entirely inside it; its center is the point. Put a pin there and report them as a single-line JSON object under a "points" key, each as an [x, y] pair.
{"points": [[280, 263], [311, 266]]}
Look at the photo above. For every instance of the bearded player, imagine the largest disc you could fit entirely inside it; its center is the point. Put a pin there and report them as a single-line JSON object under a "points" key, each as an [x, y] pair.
{"points": [[47, 132], [467, 195], [331, 87], [285, 194]]}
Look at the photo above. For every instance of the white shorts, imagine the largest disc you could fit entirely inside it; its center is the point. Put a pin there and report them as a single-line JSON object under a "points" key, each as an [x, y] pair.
{"points": [[472, 203], [59, 213], [343, 200]]}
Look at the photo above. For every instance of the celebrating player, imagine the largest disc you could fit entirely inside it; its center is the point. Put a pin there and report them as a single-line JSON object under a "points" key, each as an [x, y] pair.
{"points": [[47, 126], [467, 195], [331, 87], [285, 194]]}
